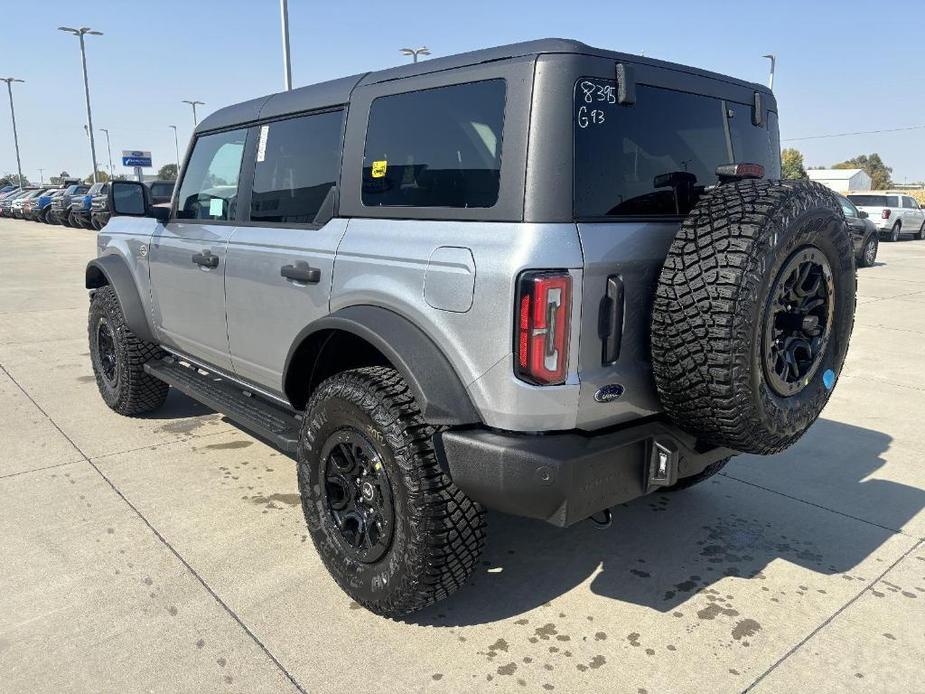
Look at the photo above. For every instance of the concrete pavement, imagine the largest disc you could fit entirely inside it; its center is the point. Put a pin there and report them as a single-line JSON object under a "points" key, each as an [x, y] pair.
{"points": [[169, 553]]}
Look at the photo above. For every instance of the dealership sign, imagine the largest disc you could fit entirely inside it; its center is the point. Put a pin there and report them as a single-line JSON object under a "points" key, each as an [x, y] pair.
{"points": [[135, 157]]}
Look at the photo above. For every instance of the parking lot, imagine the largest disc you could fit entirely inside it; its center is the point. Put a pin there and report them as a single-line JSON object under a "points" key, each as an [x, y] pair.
{"points": [[169, 553]]}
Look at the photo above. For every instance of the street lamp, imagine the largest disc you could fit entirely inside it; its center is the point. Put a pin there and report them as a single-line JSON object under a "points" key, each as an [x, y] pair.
{"points": [[415, 52], [9, 87], [41, 178], [284, 21], [109, 151], [80, 33], [773, 59], [176, 145], [193, 104]]}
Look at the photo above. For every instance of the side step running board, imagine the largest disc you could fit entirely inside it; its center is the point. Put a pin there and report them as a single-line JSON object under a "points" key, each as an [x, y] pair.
{"points": [[275, 424]]}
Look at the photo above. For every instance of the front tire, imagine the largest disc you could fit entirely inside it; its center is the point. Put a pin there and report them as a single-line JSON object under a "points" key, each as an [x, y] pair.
{"points": [[118, 357], [390, 526], [921, 235]]}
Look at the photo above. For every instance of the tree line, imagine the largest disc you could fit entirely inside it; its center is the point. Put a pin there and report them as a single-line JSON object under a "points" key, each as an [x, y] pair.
{"points": [[792, 166]]}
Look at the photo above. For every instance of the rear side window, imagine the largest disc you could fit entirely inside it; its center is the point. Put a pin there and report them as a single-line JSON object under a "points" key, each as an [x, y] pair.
{"points": [[297, 164], [657, 156], [435, 148], [868, 200], [210, 183]]}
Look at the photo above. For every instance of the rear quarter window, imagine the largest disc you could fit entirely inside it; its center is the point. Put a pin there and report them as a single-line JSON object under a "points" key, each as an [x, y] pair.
{"points": [[436, 147]]}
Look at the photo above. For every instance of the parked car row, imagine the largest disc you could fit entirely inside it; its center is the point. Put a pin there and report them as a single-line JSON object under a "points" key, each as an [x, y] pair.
{"points": [[76, 205], [893, 214]]}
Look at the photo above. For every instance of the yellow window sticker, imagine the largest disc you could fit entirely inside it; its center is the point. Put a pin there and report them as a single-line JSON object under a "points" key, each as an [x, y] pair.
{"points": [[379, 168]]}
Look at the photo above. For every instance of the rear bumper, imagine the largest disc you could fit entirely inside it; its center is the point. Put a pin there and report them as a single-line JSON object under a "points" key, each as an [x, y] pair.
{"points": [[563, 478]]}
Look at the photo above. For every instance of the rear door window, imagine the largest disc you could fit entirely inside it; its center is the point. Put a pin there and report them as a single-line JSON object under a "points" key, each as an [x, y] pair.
{"points": [[656, 157], [436, 147], [297, 165], [210, 184]]}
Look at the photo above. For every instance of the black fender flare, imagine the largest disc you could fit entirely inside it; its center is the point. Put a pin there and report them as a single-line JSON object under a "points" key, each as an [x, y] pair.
{"points": [[114, 271], [433, 381]]}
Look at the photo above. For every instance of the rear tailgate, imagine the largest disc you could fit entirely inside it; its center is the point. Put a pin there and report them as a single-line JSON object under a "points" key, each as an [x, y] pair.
{"points": [[639, 169]]}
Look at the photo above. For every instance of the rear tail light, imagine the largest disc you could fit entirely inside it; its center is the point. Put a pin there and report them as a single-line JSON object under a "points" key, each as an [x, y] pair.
{"points": [[885, 214], [543, 325]]}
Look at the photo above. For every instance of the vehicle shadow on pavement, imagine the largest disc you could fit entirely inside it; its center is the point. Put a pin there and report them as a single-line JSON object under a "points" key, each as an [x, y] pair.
{"points": [[664, 548], [178, 406]]}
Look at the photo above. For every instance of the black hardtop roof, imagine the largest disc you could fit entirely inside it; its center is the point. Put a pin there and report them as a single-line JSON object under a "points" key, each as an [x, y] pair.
{"points": [[337, 92]]}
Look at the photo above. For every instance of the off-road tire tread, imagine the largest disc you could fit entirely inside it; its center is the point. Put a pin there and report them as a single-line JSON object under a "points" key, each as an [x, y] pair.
{"points": [[139, 392], [707, 291], [448, 527]]}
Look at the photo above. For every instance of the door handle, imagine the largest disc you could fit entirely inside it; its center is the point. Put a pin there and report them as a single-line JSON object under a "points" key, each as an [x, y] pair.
{"points": [[206, 259], [301, 272]]}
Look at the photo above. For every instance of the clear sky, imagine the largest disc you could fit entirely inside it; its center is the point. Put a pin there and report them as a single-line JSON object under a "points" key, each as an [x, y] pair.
{"points": [[843, 66]]}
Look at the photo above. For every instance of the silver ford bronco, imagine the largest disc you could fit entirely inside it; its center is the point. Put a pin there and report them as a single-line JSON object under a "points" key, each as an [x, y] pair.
{"points": [[543, 278]]}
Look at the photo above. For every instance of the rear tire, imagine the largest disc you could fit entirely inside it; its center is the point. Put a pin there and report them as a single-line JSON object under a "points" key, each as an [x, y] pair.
{"points": [[705, 474], [753, 313], [118, 357], [921, 235], [895, 232], [390, 526], [868, 254]]}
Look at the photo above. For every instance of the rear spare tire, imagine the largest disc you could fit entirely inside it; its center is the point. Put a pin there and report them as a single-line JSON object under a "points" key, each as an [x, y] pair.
{"points": [[753, 313]]}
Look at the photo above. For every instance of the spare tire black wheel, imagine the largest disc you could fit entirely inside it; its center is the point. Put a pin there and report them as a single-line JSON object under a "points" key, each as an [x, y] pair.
{"points": [[753, 312]]}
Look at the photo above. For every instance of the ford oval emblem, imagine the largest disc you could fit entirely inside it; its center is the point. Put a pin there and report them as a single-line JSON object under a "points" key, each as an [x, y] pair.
{"points": [[608, 393]]}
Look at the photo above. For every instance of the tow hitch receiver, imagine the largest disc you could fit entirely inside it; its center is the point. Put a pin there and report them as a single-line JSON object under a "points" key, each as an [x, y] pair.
{"points": [[663, 464]]}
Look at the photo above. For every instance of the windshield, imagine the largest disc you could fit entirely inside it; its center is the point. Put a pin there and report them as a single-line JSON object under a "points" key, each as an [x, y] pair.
{"points": [[657, 156]]}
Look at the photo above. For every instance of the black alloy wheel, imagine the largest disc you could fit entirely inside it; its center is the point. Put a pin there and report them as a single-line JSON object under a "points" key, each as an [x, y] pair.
{"points": [[798, 321], [357, 495], [106, 346], [870, 251]]}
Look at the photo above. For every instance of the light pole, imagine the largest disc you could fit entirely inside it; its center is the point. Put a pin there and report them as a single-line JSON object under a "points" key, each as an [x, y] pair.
{"points": [[80, 33], [773, 59], [176, 146], [193, 104], [415, 52], [9, 87], [41, 178], [284, 21], [109, 151]]}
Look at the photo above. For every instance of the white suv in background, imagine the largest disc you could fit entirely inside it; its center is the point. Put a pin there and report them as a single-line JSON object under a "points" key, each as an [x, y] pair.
{"points": [[893, 214]]}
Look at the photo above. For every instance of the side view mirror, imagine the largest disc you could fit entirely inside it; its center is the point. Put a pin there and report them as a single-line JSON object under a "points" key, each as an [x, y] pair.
{"points": [[132, 199], [862, 214]]}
